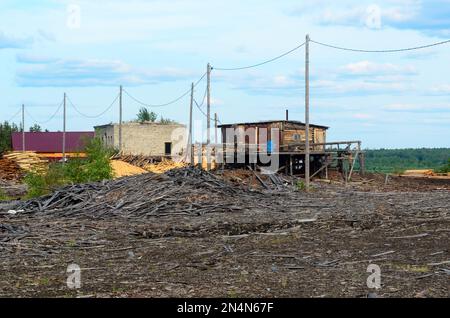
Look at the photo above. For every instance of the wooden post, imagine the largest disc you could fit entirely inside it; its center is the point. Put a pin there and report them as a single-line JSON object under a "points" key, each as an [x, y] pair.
{"points": [[23, 128], [64, 131], [307, 150], [120, 119], [200, 155], [362, 164], [208, 115], [190, 147], [216, 127], [291, 165]]}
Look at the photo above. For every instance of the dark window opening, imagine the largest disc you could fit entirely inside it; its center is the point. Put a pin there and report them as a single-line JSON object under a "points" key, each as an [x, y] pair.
{"points": [[168, 148]]}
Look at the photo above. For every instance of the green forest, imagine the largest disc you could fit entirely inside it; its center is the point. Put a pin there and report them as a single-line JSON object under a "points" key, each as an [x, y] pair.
{"points": [[397, 160]]}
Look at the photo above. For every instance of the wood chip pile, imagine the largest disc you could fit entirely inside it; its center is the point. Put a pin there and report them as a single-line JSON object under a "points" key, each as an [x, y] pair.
{"points": [[123, 169], [164, 166]]}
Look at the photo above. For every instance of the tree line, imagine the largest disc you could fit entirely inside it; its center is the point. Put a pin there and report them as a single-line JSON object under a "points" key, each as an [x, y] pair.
{"points": [[396, 160], [6, 130]]}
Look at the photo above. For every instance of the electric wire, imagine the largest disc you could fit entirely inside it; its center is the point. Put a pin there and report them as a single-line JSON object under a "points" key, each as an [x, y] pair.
{"points": [[48, 120], [15, 115], [204, 114], [168, 103], [93, 116], [381, 51], [204, 97], [262, 63]]}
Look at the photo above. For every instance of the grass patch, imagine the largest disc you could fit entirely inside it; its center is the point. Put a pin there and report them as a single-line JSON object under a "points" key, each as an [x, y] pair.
{"points": [[4, 196]]}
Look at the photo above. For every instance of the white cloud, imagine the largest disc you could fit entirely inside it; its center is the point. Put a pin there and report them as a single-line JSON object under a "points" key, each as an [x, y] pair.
{"points": [[416, 108], [12, 42], [39, 71], [372, 68], [362, 116], [441, 89]]}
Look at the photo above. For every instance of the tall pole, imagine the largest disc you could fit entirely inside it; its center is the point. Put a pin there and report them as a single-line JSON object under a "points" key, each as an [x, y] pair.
{"points": [[120, 119], [208, 113], [190, 150], [23, 127], [307, 150], [215, 126], [208, 119], [64, 131]]}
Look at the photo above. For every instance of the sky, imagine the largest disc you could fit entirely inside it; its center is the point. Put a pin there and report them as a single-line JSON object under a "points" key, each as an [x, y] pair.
{"points": [[157, 48]]}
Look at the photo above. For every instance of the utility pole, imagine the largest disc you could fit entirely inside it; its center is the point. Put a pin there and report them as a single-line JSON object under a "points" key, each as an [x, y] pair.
{"points": [[190, 150], [23, 127], [64, 131], [208, 115], [307, 150], [120, 119], [215, 126]]}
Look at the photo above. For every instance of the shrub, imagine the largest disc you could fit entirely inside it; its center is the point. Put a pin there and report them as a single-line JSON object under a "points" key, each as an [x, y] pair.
{"points": [[301, 186], [95, 167], [4, 196], [444, 169], [42, 183]]}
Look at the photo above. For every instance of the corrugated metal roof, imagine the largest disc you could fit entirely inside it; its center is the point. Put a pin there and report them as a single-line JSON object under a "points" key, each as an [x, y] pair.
{"points": [[51, 141], [273, 121]]}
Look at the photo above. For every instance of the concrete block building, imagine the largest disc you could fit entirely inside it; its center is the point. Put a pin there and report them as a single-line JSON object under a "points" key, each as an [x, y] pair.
{"points": [[148, 138]]}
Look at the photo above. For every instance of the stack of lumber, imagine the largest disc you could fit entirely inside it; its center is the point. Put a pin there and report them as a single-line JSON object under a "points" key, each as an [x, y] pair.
{"points": [[9, 170], [137, 160], [28, 161], [164, 166], [123, 169]]}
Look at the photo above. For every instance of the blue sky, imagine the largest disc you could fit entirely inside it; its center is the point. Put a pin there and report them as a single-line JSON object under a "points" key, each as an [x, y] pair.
{"points": [[156, 48]]}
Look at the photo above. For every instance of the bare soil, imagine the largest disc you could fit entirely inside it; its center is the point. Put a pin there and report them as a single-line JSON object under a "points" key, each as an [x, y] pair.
{"points": [[294, 244]]}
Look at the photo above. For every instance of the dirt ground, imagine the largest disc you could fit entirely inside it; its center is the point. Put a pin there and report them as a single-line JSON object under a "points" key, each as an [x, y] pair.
{"points": [[316, 244]]}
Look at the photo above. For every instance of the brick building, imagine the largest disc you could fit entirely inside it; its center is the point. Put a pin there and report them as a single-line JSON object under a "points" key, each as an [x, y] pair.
{"points": [[148, 138]]}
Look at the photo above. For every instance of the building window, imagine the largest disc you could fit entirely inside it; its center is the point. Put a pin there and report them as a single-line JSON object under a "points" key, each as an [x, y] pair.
{"points": [[297, 137], [168, 148]]}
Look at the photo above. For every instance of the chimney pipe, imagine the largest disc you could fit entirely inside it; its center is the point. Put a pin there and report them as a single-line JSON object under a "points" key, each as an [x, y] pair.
{"points": [[287, 114]]}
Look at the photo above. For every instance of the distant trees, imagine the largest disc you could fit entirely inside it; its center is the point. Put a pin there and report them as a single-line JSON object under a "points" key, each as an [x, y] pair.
{"points": [[145, 115], [391, 160], [444, 169], [6, 129], [35, 128]]}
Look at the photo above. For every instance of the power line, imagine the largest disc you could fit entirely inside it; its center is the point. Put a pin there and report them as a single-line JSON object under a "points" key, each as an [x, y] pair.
{"points": [[15, 115], [93, 116], [262, 63], [381, 51], [48, 120], [168, 103], [204, 97], [204, 114]]}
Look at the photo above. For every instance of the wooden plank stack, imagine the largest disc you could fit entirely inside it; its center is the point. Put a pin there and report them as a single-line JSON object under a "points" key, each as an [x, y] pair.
{"points": [[28, 161], [9, 170]]}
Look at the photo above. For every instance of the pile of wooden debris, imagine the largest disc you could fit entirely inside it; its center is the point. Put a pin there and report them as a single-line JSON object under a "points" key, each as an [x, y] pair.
{"points": [[187, 191]]}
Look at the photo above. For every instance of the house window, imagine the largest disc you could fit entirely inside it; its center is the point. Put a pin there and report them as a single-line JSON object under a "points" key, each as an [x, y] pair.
{"points": [[297, 137], [168, 148]]}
